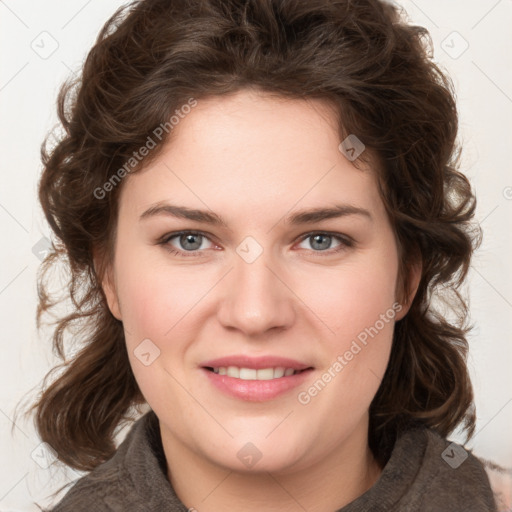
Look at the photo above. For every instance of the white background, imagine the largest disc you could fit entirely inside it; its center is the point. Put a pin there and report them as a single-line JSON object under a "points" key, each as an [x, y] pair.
{"points": [[28, 89]]}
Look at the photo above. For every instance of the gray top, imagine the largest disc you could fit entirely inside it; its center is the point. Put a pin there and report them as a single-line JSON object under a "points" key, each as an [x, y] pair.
{"points": [[424, 473]]}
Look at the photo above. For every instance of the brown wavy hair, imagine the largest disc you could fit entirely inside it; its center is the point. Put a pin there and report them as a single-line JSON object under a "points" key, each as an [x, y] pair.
{"points": [[149, 59]]}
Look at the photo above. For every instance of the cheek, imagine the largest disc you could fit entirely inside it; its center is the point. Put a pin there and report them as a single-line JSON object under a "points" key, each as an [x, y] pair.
{"points": [[353, 296], [142, 305], [153, 296], [359, 308], [152, 300], [360, 311]]}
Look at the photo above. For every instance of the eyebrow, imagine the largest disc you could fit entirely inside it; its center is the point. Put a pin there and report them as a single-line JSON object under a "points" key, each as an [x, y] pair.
{"points": [[309, 216]]}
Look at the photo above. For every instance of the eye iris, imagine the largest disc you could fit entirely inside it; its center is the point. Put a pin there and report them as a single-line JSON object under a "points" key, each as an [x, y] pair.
{"points": [[185, 239], [319, 238]]}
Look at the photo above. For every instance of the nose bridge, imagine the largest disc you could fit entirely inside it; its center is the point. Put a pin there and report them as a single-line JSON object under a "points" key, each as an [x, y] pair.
{"points": [[255, 299]]}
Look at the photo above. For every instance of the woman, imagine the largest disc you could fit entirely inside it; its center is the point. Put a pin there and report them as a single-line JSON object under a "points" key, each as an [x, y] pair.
{"points": [[259, 202]]}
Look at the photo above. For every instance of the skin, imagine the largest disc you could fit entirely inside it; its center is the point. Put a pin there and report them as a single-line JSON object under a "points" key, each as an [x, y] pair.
{"points": [[255, 159]]}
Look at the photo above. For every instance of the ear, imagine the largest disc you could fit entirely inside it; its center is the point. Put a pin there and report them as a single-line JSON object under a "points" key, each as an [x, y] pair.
{"points": [[109, 287], [406, 296]]}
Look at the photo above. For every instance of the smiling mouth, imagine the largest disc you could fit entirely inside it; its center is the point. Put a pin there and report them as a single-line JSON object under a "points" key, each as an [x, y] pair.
{"points": [[255, 374]]}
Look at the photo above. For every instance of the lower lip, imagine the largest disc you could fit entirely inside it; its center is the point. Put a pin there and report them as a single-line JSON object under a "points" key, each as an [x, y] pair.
{"points": [[256, 390]]}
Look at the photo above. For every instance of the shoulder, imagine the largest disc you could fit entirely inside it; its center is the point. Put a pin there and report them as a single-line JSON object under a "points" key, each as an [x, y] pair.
{"points": [[101, 491], [428, 473], [110, 487], [450, 476]]}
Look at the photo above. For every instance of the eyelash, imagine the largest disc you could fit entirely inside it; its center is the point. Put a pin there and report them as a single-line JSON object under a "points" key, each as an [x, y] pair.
{"points": [[345, 242]]}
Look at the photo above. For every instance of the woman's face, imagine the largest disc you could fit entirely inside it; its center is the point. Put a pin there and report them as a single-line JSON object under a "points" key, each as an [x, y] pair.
{"points": [[256, 285]]}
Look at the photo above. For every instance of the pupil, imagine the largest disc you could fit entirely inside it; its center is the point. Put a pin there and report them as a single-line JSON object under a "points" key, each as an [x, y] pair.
{"points": [[185, 239], [326, 240]]}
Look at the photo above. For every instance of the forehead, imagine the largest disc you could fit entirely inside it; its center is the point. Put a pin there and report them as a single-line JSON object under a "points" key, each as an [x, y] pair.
{"points": [[253, 152]]}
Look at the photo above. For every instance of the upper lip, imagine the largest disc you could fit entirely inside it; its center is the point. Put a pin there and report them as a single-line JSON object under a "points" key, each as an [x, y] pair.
{"points": [[257, 363]]}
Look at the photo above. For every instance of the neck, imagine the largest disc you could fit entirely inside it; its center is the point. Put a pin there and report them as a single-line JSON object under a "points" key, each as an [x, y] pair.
{"points": [[335, 480]]}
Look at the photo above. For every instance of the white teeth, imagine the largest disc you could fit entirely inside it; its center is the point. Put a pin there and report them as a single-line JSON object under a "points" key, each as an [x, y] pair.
{"points": [[265, 374], [279, 372], [233, 371], [248, 373], [253, 374]]}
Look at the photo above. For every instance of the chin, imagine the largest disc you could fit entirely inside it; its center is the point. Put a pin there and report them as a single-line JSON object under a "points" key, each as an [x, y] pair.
{"points": [[243, 455]]}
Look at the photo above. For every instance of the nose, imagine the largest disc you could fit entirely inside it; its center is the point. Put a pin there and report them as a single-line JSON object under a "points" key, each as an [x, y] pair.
{"points": [[256, 298]]}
